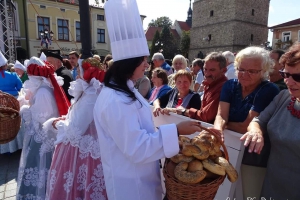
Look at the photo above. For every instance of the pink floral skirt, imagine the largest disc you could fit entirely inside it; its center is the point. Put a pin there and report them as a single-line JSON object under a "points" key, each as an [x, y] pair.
{"points": [[75, 176]]}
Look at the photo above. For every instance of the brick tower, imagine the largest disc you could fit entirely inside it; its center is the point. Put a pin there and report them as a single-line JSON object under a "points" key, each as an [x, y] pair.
{"points": [[221, 25]]}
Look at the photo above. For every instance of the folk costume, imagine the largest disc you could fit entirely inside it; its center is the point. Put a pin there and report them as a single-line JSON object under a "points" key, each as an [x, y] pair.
{"points": [[46, 100], [76, 170]]}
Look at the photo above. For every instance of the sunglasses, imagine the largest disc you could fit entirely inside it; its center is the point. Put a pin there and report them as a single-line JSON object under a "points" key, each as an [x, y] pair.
{"points": [[296, 77]]}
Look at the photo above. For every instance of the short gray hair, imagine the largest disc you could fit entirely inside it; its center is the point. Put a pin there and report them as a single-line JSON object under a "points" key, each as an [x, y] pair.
{"points": [[158, 56], [218, 57], [267, 63], [229, 56], [180, 57]]}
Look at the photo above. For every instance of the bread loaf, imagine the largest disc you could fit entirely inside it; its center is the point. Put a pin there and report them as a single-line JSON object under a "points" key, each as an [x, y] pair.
{"points": [[188, 177], [195, 165], [232, 174], [213, 167], [181, 158]]}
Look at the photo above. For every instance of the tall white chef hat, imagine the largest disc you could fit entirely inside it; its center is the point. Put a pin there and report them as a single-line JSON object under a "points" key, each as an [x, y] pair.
{"points": [[125, 29], [19, 65], [3, 60]]}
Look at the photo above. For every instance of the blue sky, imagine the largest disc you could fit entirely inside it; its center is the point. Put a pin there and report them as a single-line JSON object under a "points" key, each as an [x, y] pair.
{"points": [[280, 10]]}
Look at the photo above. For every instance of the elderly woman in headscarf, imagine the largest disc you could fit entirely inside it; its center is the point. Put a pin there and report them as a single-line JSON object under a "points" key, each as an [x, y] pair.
{"points": [[280, 122], [46, 100], [243, 99], [77, 152], [9, 82]]}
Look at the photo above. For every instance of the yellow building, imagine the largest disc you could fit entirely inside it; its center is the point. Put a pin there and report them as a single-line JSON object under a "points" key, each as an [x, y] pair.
{"points": [[64, 21], [285, 34]]}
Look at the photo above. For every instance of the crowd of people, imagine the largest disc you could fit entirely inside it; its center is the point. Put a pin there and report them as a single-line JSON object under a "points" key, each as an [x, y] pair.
{"points": [[87, 129]]}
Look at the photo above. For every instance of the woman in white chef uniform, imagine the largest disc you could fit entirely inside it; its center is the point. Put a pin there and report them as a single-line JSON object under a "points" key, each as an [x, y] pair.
{"points": [[130, 146]]}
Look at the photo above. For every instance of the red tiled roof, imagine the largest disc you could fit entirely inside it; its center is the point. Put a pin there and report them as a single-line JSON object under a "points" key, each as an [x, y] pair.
{"points": [[184, 26], [150, 32], [290, 23]]}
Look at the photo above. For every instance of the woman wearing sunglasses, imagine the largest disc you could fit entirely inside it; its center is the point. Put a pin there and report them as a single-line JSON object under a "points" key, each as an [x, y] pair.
{"points": [[280, 120], [243, 99]]}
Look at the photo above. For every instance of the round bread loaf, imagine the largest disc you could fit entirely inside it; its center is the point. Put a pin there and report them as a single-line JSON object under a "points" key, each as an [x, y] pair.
{"points": [[232, 174], [213, 167], [181, 158], [195, 165], [188, 177]]}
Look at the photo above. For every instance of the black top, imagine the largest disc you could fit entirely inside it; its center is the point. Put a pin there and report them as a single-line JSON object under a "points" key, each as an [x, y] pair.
{"points": [[66, 74], [195, 101]]}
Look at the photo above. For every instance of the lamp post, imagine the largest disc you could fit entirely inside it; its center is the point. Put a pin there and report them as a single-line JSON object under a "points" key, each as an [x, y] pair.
{"points": [[159, 45], [46, 37], [85, 29]]}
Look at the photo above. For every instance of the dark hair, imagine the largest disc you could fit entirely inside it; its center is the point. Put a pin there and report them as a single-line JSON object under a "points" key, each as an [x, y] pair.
{"points": [[199, 62], [118, 74], [161, 73], [278, 52], [292, 56], [74, 53], [67, 64]]}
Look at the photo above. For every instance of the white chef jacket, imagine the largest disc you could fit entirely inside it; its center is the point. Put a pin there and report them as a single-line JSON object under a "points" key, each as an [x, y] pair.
{"points": [[130, 147]]}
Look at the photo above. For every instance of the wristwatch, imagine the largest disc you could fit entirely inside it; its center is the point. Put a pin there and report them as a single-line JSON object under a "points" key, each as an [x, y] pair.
{"points": [[183, 112]]}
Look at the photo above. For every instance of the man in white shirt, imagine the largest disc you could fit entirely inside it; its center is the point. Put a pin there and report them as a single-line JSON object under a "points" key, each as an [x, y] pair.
{"points": [[197, 70], [230, 74]]}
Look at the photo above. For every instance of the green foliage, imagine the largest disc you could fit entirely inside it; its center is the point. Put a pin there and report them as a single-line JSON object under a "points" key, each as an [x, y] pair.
{"points": [[185, 43], [169, 45], [155, 48], [161, 22]]}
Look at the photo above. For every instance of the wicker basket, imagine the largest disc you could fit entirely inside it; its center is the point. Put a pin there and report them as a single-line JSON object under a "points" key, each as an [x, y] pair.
{"points": [[9, 127], [177, 190], [7, 100]]}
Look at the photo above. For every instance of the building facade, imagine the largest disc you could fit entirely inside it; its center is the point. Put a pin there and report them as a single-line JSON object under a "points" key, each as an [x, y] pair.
{"points": [[221, 25], [285, 34], [62, 19]]}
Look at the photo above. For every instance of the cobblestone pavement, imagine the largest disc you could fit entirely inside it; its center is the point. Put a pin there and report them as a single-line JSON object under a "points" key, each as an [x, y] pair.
{"points": [[9, 164]]}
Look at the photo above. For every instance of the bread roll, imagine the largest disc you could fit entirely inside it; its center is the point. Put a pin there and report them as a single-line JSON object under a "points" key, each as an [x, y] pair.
{"points": [[183, 140], [188, 177], [213, 167], [195, 165], [181, 158], [232, 174]]}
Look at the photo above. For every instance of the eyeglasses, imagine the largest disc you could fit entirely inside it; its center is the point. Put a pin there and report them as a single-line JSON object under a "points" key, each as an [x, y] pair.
{"points": [[250, 71], [296, 77]]}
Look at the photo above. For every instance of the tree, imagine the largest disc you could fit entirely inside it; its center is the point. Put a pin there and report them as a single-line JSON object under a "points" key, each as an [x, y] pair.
{"points": [[155, 48], [185, 43], [169, 44], [161, 22]]}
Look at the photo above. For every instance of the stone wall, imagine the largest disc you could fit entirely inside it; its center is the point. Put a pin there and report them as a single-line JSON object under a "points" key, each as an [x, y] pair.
{"points": [[233, 25]]}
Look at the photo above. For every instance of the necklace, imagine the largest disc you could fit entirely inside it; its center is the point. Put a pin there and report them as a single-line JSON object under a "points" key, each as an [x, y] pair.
{"points": [[290, 107]]}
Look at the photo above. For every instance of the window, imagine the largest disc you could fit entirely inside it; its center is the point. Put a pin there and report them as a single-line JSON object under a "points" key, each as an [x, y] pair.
{"points": [[101, 35], [77, 32], [63, 31], [42, 6], [251, 38], [252, 12], [286, 36], [209, 37], [63, 10], [211, 13], [100, 17], [43, 23]]}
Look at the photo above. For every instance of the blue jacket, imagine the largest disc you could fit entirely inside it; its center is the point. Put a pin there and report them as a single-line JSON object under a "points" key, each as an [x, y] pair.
{"points": [[166, 66], [161, 92], [11, 83]]}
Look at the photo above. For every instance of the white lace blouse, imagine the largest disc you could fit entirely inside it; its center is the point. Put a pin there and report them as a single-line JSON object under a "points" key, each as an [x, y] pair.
{"points": [[78, 128]]}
